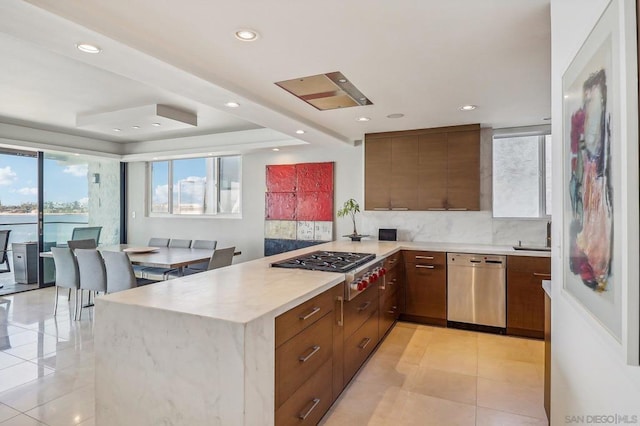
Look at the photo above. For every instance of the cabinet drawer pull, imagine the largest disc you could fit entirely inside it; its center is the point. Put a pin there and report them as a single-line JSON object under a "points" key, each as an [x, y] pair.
{"points": [[425, 257], [364, 306], [314, 404], [341, 320], [393, 281], [425, 266], [540, 274], [459, 209], [314, 350], [393, 310], [436, 209], [394, 260], [395, 209], [381, 209], [365, 342], [310, 314]]}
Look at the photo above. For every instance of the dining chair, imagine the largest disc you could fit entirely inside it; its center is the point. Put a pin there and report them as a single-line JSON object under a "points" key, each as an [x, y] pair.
{"points": [[120, 275], [87, 232], [153, 242], [82, 244], [202, 244], [158, 242], [219, 259], [4, 243], [178, 243], [153, 273], [67, 275], [93, 276]]}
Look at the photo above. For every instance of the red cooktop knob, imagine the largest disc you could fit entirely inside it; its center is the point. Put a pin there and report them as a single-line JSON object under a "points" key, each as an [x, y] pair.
{"points": [[383, 271]]}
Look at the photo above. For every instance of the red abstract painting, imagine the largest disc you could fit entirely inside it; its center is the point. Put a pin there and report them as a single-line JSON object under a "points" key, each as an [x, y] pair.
{"points": [[315, 177], [317, 206], [280, 206], [281, 178]]}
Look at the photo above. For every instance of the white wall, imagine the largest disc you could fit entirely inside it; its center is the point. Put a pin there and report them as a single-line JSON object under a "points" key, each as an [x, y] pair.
{"points": [[247, 234], [589, 374]]}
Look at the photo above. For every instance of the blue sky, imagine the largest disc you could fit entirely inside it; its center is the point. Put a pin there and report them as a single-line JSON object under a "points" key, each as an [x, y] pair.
{"points": [[19, 180]]}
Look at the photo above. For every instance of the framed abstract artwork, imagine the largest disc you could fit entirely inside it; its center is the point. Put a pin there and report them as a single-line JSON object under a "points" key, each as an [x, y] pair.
{"points": [[597, 133]]}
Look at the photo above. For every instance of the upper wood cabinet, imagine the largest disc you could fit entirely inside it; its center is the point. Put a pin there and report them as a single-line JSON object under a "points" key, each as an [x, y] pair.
{"points": [[429, 169]]}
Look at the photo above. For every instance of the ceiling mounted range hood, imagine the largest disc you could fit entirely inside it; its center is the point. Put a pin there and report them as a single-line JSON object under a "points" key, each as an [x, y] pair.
{"points": [[326, 91]]}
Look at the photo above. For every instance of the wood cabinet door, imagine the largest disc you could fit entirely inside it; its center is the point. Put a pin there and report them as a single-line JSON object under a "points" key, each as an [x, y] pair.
{"points": [[432, 175], [426, 290], [463, 173], [377, 170], [404, 173], [525, 296]]}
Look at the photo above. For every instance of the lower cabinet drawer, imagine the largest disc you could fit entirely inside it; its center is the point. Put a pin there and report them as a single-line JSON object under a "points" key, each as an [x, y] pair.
{"points": [[300, 357], [391, 282], [309, 403], [359, 309], [388, 313], [359, 346]]}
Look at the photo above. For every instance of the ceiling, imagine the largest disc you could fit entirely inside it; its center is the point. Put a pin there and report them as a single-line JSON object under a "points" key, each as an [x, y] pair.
{"points": [[420, 58]]}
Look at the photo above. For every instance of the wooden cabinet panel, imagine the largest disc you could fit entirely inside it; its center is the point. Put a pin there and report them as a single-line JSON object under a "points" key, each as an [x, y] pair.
{"points": [[359, 346], [302, 316], [404, 173], [338, 340], [300, 357], [425, 257], [310, 401], [359, 309], [377, 171], [426, 286], [393, 260], [432, 178], [388, 312], [525, 296], [463, 172]]}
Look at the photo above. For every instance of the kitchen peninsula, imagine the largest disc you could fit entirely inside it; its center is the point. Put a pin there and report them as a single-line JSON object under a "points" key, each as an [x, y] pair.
{"points": [[201, 349]]}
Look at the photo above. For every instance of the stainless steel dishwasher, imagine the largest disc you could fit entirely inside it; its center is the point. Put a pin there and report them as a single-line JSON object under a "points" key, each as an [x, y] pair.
{"points": [[476, 289]]}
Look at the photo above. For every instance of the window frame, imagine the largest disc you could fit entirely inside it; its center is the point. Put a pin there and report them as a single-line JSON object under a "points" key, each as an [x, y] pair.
{"points": [[541, 132], [170, 204]]}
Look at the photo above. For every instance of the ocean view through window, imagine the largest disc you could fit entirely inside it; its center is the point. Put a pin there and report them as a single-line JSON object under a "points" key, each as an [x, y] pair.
{"points": [[196, 186]]}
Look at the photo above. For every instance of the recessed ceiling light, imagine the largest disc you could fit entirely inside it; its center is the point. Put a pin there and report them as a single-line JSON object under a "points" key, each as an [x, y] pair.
{"points": [[246, 35], [363, 119], [88, 48], [300, 132], [396, 115], [135, 127], [156, 124], [342, 80], [155, 158], [115, 129], [468, 107], [232, 104], [275, 149], [76, 154]]}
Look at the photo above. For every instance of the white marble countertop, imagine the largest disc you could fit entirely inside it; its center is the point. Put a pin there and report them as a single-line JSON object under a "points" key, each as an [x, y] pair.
{"points": [[546, 286], [244, 292]]}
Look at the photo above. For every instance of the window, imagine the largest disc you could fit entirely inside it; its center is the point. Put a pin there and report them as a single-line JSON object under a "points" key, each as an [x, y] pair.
{"points": [[522, 176], [196, 186]]}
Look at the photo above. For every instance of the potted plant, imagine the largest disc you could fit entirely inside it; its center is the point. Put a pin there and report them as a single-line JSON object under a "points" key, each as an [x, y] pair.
{"points": [[350, 208]]}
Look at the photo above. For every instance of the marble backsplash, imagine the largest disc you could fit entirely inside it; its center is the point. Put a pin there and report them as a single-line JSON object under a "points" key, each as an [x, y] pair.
{"points": [[455, 227]]}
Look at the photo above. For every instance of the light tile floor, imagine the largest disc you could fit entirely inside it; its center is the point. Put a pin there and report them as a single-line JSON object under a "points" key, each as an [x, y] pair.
{"points": [[437, 376], [418, 376]]}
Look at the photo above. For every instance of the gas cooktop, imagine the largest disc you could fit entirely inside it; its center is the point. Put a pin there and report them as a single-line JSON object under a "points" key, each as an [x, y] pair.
{"points": [[332, 261]]}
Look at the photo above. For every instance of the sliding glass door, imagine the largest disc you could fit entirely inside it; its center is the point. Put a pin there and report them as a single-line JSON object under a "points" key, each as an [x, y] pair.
{"points": [[78, 191]]}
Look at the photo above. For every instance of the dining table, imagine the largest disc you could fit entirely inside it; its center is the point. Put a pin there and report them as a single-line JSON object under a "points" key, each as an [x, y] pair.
{"points": [[158, 257]]}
